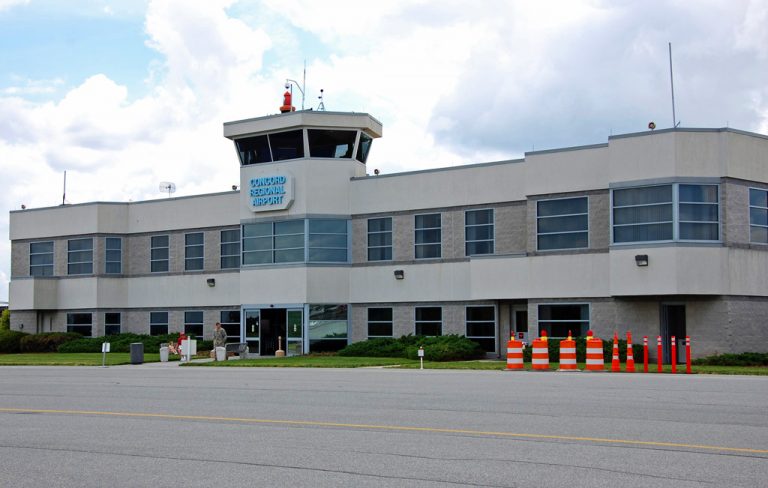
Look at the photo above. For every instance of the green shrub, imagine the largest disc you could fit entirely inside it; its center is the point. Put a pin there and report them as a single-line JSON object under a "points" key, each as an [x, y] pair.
{"points": [[376, 348], [118, 343], [5, 320], [742, 359], [47, 342], [10, 341], [442, 348]]}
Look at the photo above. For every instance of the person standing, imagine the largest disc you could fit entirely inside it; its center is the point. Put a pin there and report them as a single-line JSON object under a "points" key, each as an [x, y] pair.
{"points": [[219, 337]]}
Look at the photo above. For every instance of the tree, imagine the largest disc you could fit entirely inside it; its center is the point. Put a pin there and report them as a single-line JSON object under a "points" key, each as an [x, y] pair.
{"points": [[5, 320]]}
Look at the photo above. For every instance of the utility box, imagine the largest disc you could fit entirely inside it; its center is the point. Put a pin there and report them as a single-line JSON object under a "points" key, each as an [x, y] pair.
{"points": [[164, 354], [137, 353]]}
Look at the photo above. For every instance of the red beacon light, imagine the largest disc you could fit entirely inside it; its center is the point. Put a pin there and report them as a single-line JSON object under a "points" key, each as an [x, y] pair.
{"points": [[287, 107]]}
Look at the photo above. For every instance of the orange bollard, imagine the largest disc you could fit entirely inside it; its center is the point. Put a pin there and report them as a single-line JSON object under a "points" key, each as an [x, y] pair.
{"points": [[568, 354], [659, 353], [674, 355], [688, 354], [595, 360], [514, 355], [645, 354], [630, 366], [615, 364], [540, 353]]}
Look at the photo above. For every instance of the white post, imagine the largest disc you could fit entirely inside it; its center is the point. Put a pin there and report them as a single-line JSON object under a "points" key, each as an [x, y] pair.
{"points": [[104, 351], [421, 357]]}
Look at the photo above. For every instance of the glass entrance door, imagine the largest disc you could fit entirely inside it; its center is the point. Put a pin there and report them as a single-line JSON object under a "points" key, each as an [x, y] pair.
{"points": [[673, 324], [294, 331], [252, 330]]}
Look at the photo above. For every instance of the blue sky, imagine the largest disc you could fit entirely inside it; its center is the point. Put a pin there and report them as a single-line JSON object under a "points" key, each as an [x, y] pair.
{"points": [[125, 94]]}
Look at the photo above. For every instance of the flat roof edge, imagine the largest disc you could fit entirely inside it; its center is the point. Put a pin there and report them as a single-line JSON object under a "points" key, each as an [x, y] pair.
{"points": [[690, 129], [566, 149], [297, 112], [435, 170]]}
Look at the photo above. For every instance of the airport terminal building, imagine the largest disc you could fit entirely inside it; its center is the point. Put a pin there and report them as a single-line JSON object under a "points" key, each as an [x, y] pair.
{"points": [[662, 233]]}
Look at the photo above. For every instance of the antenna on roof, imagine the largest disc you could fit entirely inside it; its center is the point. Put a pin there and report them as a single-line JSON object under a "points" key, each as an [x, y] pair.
{"points": [[167, 186], [322, 105], [300, 87], [64, 195], [675, 123]]}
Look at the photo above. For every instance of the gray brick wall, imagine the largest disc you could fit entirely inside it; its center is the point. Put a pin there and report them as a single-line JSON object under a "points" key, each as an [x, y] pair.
{"points": [[734, 212], [360, 240], [511, 228], [403, 237], [19, 259], [599, 220]]}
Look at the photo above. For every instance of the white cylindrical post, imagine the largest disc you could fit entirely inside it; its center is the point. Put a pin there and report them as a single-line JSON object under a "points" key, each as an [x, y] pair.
{"points": [[421, 357]]}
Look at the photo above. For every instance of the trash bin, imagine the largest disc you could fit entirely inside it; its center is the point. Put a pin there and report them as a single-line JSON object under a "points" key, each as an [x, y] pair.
{"points": [[137, 352], [221, 354], [164, 354]]}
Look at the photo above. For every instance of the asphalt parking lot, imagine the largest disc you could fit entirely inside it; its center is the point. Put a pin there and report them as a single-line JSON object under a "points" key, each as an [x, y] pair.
{"points": [[162, 425]]}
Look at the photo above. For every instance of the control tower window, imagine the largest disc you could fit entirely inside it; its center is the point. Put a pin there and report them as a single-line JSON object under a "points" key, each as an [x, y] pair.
{"points": [[364, 147], [287, 145], [253, 150], [331, 143]]}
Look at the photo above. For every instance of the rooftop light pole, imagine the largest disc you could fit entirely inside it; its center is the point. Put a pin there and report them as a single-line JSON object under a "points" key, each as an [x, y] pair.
{"points": [[300, 87]]}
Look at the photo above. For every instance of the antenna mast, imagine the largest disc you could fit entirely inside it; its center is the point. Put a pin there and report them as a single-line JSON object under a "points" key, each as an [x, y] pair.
{"points": [[64, 195], [672, 85]]}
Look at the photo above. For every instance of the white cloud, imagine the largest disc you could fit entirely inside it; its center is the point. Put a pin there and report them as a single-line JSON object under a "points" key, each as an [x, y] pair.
{"points": [[8, 4]]}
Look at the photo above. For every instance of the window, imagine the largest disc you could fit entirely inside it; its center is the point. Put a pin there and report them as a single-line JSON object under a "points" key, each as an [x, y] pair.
{"points": [[429, 321], [331, 143], [758, 216], [478, 232], [112, 323], [481, 326], [253, 150], [80, 323], [379, 322], [272, 147], [113, 255], [649, 214], [428, 236], [80, 256], [230, 249], [159, 254], [158, 323], [380, 239], [363, 147], [230, 322], [194, 250], [327, 241], [193, 323], [562, 224], [327, 327], [557, 320], [41, 258]]}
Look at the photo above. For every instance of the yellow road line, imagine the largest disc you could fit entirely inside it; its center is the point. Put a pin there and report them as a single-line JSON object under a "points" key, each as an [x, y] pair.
{"points": [[311, 423]]}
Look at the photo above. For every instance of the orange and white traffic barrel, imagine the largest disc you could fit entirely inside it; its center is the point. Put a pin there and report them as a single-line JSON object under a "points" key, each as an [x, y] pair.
{"points": [[514, 355], [540, 353], [595, 361], [568, 354]]}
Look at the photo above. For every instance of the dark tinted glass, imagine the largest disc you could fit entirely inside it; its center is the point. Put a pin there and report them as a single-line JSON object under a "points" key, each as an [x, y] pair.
{"points": [[331, 143], [253, 150], [287, 145]]}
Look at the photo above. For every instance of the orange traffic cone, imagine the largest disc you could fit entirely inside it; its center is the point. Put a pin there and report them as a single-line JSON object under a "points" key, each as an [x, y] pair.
{"points": [[595, 360], [514, 355], [568, 354], [540, 353], [615, 364], [630, 367]]}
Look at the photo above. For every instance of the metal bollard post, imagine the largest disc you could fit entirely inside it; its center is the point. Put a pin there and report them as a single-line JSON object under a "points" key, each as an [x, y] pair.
{"points": [[645, 354], [659, 353], [674, 355], [688, 354]]}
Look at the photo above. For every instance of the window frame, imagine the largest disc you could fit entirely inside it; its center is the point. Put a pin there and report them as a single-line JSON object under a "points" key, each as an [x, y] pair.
{"points": [[306, 245], [85, 263], [382, 248], [495, 326], [222, 243], [538, 218], [438, 243], [119, 323], [675, 214], [42, 266], [233, 329], [467, 226], [71, 326], [167, 260], [156, 324], [749, 210], [189, 323], [417, 322], [556, 304], [107, 249], [391, 322], [188, 247]]}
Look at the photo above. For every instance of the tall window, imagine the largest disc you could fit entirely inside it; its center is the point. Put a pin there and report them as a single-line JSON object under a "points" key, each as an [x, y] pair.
{"points": [[193, 323], [481, 326], [558, 319], [194, 250], [80, 256], [428, 236], [158, 323], [327, 327], [758, 216], [380, 239], [230, 249], [331, 143], [159, 254], [478, 232], [379, 322], [327, 241], [41, 258], [112, 323], [562, 224], [82, 323], [230, 322], [428, 321], [665, 213], [113, 255]]}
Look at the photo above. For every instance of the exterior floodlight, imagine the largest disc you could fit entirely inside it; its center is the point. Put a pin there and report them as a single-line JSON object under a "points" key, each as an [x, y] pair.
{"points": [[641, 259], [399, 274], [211, 282]]}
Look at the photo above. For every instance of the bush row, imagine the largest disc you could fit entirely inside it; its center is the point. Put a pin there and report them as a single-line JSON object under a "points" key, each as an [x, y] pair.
{"points": [[442, 348], [10, 341], [122, 343], [743, 359]]}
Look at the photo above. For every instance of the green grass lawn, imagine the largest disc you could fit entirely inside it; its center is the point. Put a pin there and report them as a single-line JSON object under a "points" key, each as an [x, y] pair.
{"points": [[71, 359]]}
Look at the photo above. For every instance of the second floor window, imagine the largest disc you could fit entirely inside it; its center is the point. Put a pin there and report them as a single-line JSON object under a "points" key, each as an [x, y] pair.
{"points": [[113, 255], [478, 232], [562, 224], [159, 254], [41, 258], [194, 250], [380, 239], [80, 256], [428, 236], [230, 249], [758, 216]]}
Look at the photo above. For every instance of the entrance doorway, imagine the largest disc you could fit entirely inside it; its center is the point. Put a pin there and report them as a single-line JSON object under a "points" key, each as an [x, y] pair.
{"points": [[520, 322], [268, 329], [673, 324]]}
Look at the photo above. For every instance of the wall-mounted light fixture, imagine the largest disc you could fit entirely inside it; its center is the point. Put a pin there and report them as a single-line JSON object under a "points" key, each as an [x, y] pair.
{"points": [[211, 282], [641, 259], [399, 274]]}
